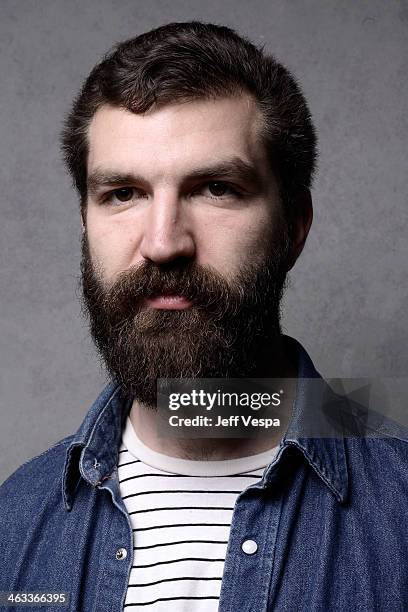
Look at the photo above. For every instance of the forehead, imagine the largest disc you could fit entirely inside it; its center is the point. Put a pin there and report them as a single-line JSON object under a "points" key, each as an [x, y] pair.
{"points": [[199, 131]]}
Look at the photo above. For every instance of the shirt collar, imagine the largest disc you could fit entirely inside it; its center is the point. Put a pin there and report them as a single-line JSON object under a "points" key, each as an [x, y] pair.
{"points": [[93, 451], [313, 428]]}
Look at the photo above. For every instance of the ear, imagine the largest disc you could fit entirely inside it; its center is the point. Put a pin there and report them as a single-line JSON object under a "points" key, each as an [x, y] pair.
{"points": [[301, 220]]}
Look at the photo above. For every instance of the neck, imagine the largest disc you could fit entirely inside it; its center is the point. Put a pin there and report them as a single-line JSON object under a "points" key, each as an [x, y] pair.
{"points": [[271, 364]]}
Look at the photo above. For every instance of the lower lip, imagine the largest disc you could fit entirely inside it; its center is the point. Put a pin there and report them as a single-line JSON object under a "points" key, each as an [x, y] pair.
{"points": [[169, 302]]}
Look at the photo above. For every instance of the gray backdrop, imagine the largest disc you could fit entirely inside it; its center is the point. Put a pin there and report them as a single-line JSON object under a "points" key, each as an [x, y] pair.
{"points": [[347, 301]]}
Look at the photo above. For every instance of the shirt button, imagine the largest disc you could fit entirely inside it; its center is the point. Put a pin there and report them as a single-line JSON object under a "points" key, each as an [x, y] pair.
{"points": [[249, 547], [121, 553]]}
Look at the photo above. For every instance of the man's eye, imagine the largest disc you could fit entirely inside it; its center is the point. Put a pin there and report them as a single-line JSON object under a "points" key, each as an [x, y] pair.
{"points": [[217, 189], [124, 194]]}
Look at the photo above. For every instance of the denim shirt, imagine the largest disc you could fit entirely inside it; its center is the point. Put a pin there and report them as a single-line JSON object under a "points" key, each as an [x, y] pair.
{"points": [[329, 518]]}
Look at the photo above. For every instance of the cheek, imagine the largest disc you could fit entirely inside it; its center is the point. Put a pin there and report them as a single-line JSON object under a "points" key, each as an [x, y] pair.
{"points": [[112, 246], [232, 239]]}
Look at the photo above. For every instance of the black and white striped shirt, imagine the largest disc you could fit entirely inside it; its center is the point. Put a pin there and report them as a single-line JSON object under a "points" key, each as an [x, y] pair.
{"points": [[181, 512]]}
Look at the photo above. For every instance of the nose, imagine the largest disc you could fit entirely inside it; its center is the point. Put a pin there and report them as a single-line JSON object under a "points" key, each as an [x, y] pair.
{"points": [[167, 232]]}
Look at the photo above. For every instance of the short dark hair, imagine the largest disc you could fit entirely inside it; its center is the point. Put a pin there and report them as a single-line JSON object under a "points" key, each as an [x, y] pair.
{"points": [[184, 61]]}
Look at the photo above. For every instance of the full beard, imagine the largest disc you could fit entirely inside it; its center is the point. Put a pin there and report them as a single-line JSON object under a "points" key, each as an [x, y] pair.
{"points": [[227, 332]]}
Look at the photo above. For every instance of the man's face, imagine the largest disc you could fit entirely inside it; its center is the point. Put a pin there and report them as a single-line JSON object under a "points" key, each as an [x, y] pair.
{"points": [[185, 251]]}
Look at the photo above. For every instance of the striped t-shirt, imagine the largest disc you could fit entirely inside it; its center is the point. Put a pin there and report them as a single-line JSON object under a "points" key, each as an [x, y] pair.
{"points": [[181, 512]]}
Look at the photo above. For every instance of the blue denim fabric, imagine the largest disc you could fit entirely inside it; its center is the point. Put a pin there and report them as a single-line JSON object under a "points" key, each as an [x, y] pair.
{"points": [[329, 517]]}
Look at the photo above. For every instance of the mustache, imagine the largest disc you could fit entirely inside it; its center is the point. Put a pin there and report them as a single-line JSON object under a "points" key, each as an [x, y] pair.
{"points": [[208, 291], [195, 282]]}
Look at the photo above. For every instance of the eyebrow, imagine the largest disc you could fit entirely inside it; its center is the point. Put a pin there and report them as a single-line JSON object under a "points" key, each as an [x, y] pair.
{"points": [[234, 169]]}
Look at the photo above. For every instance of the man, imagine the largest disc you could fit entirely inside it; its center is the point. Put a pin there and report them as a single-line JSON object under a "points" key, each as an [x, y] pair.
{"points": [[193, 153]]}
